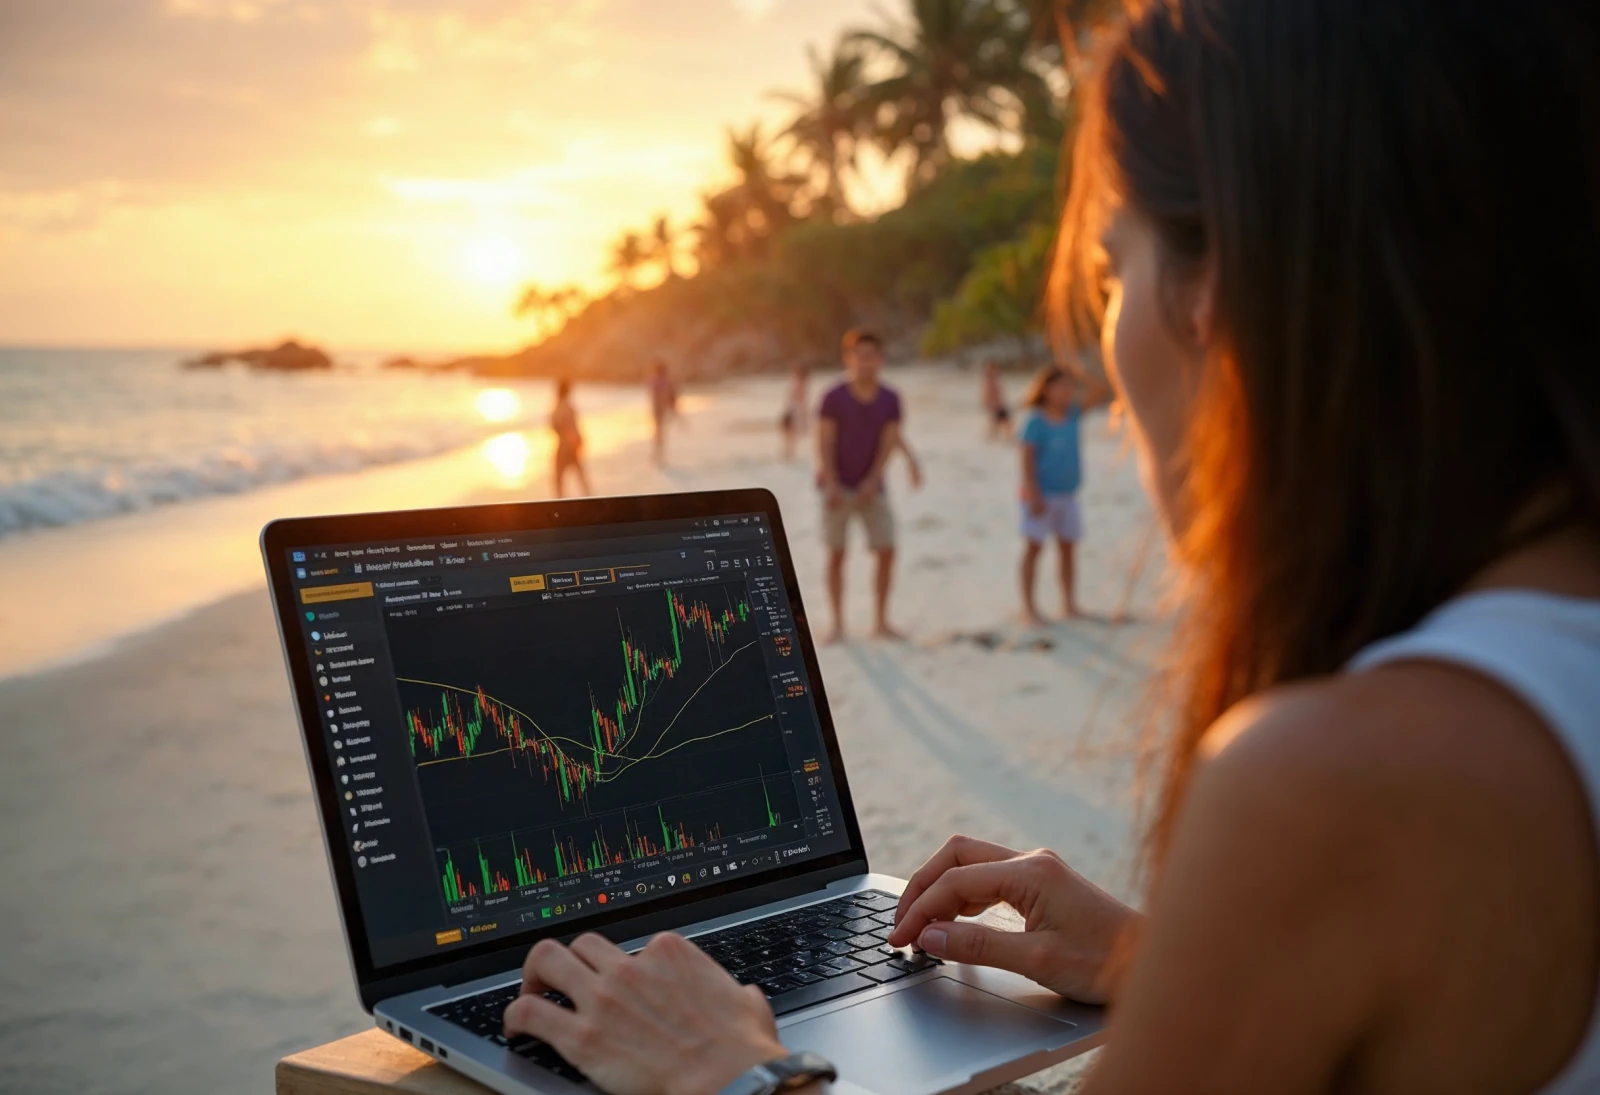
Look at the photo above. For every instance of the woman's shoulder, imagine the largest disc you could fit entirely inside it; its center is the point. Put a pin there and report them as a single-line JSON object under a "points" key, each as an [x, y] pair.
{"points": [[1418, 734], [1441, 822]]}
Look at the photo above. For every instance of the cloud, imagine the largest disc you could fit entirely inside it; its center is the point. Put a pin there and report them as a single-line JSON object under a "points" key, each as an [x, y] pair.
{"points": [[345, 145], [562, 182], [239, 11], [50, 211]]}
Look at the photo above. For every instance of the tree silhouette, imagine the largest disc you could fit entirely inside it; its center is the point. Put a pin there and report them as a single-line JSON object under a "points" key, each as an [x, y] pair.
{"points": [[831, 121], [663, 246], [629, 254], [953, 58], [550, 308], [740, 220]]}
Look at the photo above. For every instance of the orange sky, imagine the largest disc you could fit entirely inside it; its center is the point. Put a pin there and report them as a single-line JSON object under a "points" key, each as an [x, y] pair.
{"points": [[364, 173]]}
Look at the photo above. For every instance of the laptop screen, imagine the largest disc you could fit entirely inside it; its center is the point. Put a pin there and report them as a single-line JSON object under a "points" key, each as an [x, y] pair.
{"points": [[529, 729]]}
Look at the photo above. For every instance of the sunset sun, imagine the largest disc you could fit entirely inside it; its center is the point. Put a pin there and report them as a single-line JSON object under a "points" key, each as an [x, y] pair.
{"points": [[492, 260]]}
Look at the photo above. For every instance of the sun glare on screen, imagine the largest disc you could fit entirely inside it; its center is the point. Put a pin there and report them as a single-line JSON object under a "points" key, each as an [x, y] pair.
{"points": [[498, 404], [492, 260], [508, 454]]}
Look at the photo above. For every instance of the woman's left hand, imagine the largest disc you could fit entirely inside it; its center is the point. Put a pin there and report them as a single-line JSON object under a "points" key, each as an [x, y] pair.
{"points": [[667, 1019]]}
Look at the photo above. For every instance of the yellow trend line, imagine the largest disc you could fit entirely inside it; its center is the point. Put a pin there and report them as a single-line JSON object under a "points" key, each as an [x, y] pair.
{"points": [[599, 776], [631, 761], [473, 692], [706, 737], [726, 662]]}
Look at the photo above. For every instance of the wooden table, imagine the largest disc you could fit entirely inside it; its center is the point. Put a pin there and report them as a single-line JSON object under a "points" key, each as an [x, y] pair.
{"points": [[373, 1063], [369, 1063]]}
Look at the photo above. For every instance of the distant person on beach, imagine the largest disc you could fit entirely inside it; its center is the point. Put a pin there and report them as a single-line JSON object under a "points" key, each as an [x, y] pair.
{"points": [[796, 417], [1341, 255], [993, 397], [663, 405], [858, 430], [1052, 471], [569, 442]]}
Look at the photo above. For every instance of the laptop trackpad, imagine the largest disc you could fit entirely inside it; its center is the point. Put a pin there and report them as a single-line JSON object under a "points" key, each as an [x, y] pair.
{"points": [[927, 1037]]}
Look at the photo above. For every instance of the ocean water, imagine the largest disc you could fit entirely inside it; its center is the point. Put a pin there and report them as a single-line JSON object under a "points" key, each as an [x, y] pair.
{"points": [[90, 434], [133, 491]]}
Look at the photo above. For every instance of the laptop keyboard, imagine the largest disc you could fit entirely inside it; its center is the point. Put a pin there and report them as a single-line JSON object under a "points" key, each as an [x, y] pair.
{"points": [[799, 958], [484, 1015], [817, 953]]}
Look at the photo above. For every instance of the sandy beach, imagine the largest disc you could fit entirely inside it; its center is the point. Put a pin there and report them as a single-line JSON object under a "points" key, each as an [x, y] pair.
{"points": [[171, 924]]}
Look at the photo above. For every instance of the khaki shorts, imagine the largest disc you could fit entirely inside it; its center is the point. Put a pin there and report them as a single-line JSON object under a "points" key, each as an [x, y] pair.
{"points": [[874, 515]]}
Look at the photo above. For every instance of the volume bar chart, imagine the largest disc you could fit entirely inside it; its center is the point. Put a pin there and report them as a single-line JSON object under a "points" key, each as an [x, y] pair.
{"points": [[533, 856]]}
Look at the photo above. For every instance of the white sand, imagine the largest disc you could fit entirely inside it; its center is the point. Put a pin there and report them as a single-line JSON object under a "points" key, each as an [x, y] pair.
{"points": [[170, 923]]}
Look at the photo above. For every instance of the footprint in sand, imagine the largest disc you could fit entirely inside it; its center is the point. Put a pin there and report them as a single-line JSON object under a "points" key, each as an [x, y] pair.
{"points": [[998, 642], [939, 562]]}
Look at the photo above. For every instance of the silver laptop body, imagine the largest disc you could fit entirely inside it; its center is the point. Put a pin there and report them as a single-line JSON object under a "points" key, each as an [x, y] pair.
{"points": [[540, 719]]}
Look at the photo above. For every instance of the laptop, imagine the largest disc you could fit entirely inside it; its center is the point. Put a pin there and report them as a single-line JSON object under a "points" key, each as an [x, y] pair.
{"points": [[542, 719]]}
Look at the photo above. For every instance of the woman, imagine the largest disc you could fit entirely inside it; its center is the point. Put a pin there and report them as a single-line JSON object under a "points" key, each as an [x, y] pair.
{"points": [[1350, 254], [569, 441], [663, 404]]}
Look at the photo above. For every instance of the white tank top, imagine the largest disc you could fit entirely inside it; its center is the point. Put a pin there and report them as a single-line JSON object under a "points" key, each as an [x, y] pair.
{"points": [[1546, 650]]}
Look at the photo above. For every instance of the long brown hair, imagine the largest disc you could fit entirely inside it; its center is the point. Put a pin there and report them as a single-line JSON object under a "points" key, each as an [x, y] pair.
{"points": [[1400, 203]]}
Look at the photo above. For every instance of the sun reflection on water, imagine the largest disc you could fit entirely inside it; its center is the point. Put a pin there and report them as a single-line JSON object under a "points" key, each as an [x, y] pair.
{"points": [[508, 454], [498, 404]]}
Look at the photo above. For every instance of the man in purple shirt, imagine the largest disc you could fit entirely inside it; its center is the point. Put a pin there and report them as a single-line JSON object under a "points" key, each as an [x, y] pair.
{"points": [[858, 429]]}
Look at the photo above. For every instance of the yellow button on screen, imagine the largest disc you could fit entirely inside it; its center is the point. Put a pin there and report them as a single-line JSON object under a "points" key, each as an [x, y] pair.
{"points": [[451, 936], [527, 583], [349, 591]]}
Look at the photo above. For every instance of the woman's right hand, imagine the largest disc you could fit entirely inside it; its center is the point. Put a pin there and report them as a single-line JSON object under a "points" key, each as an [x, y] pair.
{"points": [[1073, 927]]}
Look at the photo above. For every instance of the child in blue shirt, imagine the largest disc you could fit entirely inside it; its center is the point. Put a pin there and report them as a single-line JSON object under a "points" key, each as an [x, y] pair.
{"points": [[1052, 471]]}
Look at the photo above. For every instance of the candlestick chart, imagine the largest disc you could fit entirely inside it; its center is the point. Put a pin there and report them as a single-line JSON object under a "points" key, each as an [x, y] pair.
{"points": [[553, 738]]}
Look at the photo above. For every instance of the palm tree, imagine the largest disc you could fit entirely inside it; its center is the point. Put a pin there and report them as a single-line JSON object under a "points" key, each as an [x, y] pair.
{"points": [[628, 254], [767, 194], [550, 308], [740, 219], [831, 121], [663, 246], [952, 58]]}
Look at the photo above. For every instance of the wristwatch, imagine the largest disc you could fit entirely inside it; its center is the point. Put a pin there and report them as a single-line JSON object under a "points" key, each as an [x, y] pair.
{"points": [[784, 1074]]}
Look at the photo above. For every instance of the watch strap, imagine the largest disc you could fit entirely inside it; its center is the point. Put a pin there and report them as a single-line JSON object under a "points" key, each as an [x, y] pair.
{"points": [[783, 1074]]}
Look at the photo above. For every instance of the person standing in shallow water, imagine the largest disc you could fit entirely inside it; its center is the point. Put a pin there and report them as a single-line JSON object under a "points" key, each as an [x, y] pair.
{"points": [[569, 442], [858, 430], [663, 404]]}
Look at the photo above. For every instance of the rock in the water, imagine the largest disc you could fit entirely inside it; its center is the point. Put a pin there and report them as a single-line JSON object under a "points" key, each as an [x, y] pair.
{"points": [[288, 357]]}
